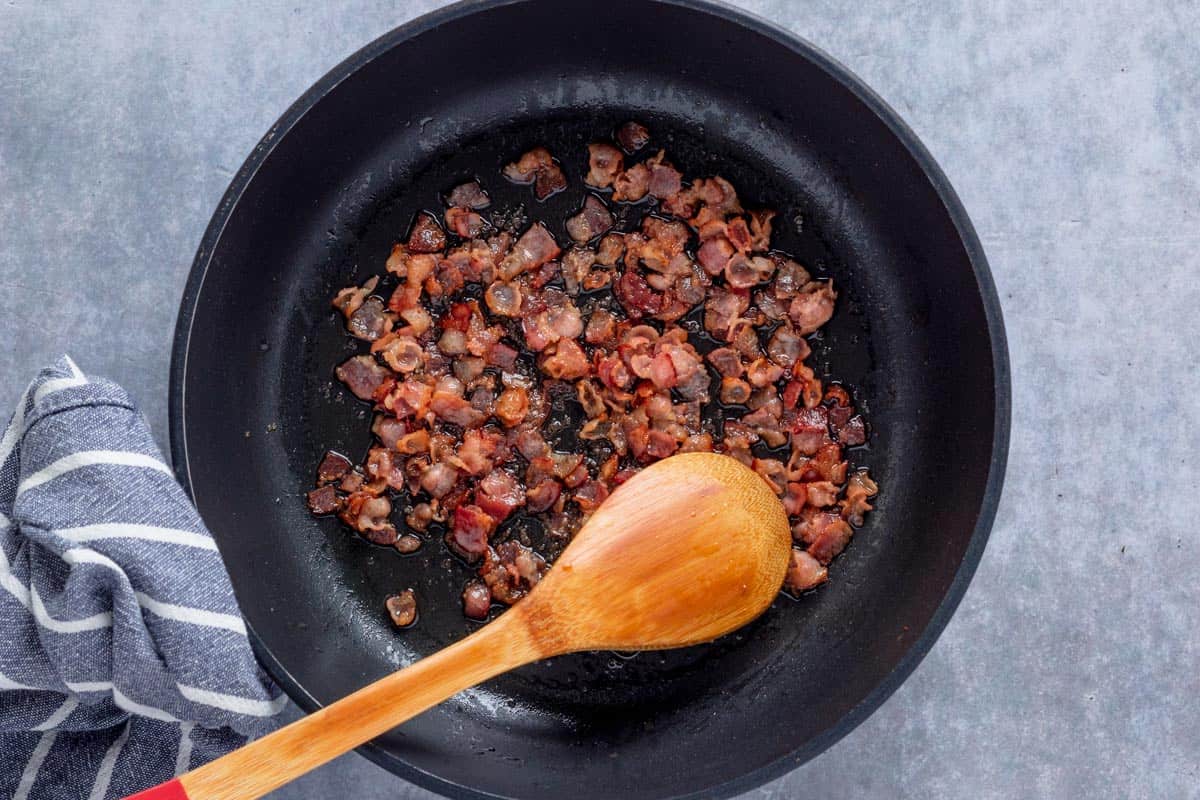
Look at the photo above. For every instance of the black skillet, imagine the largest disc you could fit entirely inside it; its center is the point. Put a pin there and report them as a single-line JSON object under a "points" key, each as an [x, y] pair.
{"points": [[454, 95]]}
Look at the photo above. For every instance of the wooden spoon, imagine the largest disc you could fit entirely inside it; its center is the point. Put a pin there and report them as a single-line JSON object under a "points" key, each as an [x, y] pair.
{"points": [[688, 549]]}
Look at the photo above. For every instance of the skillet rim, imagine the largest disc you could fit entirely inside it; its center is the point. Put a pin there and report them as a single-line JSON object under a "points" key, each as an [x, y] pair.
{"points": [[1002, 384]]}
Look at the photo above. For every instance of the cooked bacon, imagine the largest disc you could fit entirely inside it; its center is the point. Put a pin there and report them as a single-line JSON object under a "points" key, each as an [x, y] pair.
{"points": [[504, 299], [468, 195], [566, 362], [324, 500], [362, 375], [477, 451], [539, 168], [787, 348], [535, 247], [633, 136], [333, 467], [370, 321], [465, 222], [804, 572], [469, 531], [368, 515], [734, 391], [477, 600], [858, 488], [402, 608], [632, 184], [853, 433], [809, 429], [511, 570], [594, 220], [498, 494], [664, 180], [454, 409], [402, 353], [604, 164], [812, 307], [407, 544], [351, 298], [467, 377], [426, 236], [830, 536]]}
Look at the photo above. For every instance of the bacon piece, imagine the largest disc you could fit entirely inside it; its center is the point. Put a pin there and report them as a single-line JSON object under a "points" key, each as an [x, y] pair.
{"points": [[594, 220], [632, 136], [464, 222], [535, 247], [512, 406], [468, 195], [368, 515], [804, 572], [362, 375], [636, 296], [402, 353], [469, 531], [324, 500], [333, 467], [858, 489], [853, 433], [812, 306], [632, 184], [498, 494], [829, 537], [511, 570], [566, 362], [734, 391], [456, 410], [504, 299], [477, 600], [426, 236], [809, 429], [664, 181], [402, 608], [787, 348], [478, 450], [408, 294], [604, 164], [351, 298], [539, 168]]}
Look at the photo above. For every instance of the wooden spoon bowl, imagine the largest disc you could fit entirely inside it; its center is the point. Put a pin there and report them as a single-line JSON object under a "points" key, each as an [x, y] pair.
{"points": [[692, 547]]}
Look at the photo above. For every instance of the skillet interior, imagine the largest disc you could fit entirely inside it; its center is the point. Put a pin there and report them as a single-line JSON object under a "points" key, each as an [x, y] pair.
{"points": [[318, 206]]}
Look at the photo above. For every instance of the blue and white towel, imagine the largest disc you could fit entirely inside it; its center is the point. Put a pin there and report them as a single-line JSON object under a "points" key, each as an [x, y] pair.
{"points": [[123, 658]]}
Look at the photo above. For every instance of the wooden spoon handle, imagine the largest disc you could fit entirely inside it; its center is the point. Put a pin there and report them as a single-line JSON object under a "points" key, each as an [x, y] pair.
{"points": [[293, 750]]}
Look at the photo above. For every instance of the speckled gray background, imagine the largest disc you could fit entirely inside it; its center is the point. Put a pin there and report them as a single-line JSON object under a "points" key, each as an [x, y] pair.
{"points": [[1073, 138]]}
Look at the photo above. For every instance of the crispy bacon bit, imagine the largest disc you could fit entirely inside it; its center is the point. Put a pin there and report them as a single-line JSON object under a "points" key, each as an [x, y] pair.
{"points": [[804, 573], [324, 500], [464, 222], [535, 247], [477, 600], [368, 515], [482, 343], [511, 570], [470, 530], [426, 236], [351, 298], [566, 362], [469, 195], [498, 494], [812, 307], [632, 184], [633, 136], [594, 220], [858, 488], [333, 467], [539, 168], [604, 164], [362, 376], [402, 608]]}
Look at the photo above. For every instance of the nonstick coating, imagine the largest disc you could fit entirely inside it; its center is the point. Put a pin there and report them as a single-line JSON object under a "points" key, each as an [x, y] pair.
{"points": [[453, 96]]}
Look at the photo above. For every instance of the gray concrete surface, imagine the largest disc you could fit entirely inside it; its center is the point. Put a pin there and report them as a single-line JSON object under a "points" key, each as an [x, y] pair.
{"points": [[1073, 137]]}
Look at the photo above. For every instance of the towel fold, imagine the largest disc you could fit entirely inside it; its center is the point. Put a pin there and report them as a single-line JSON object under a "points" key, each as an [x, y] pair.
{"points": [[123, 656]]}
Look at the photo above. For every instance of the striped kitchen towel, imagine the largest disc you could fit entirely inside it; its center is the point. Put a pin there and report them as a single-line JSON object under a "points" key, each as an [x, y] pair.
{"points": [[123, 658]]}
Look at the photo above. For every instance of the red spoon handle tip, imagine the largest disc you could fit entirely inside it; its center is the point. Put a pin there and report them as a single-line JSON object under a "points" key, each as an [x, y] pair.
{"points": [[171, 790]]}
